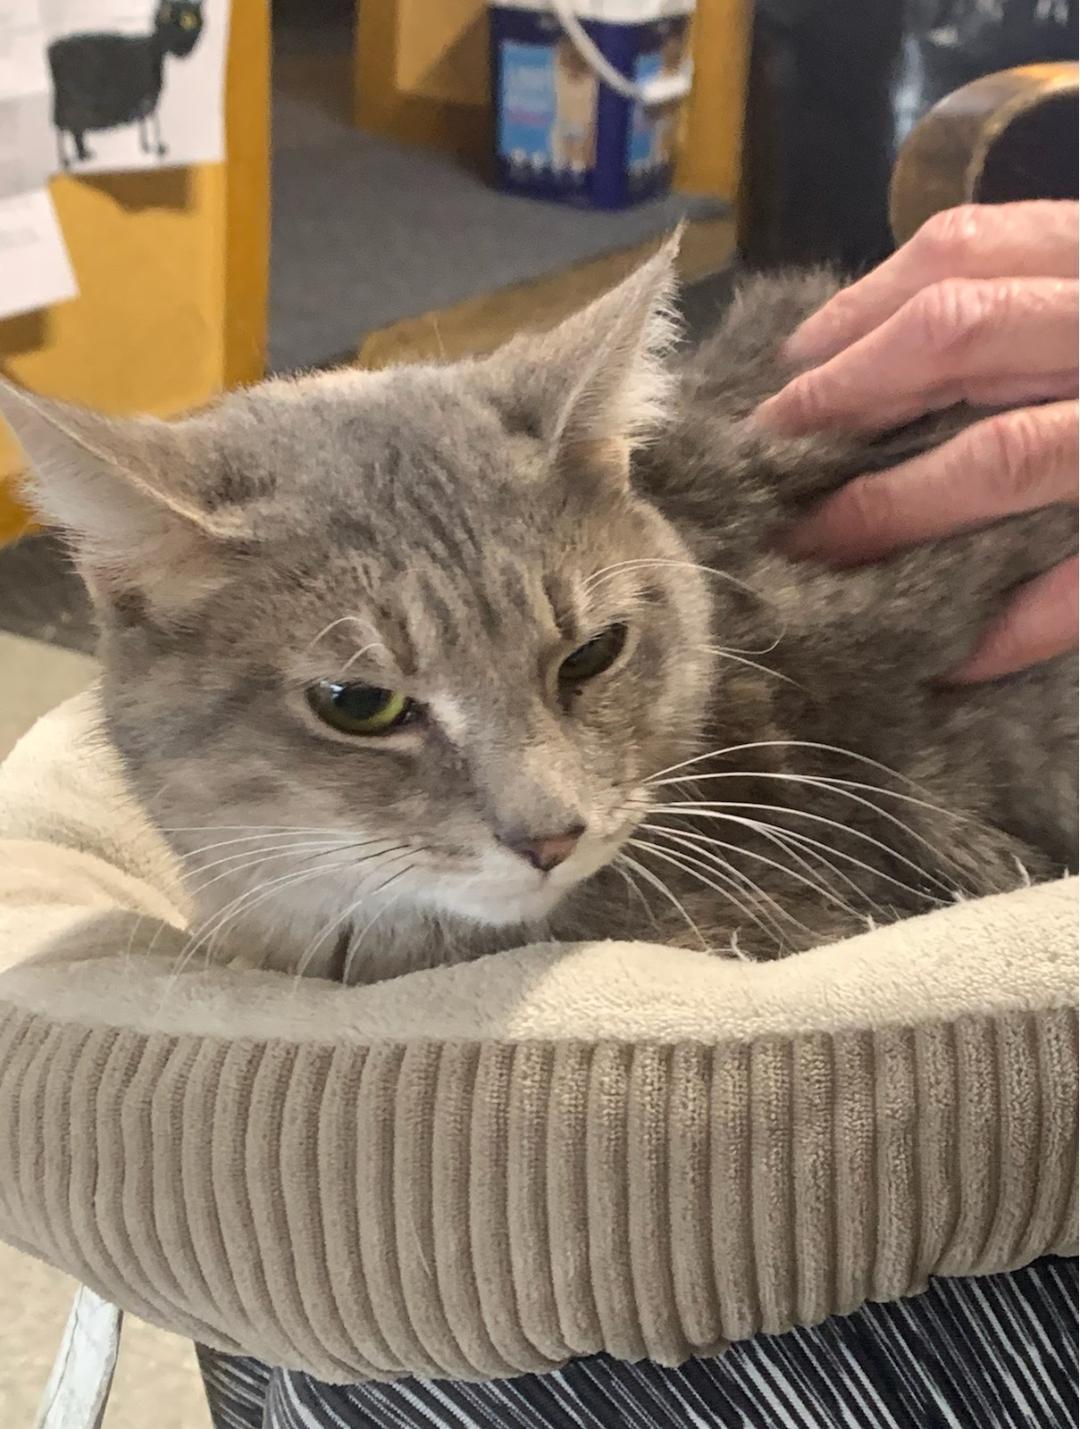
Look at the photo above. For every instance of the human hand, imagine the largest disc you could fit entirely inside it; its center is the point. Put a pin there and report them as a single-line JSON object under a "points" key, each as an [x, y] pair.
{"points": [[980, 306]]}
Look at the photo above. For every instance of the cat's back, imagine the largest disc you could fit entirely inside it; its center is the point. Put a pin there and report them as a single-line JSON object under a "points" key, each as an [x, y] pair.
{"points": [[857, 658]]}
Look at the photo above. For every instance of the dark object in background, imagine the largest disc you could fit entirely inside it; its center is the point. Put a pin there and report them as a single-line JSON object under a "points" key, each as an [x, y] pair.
{"points": [[101, 81], [835, 86], [1009, 135], [1040, 143]]}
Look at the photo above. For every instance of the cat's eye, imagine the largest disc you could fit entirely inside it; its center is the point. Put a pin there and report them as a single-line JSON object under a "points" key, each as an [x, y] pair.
{"points": [[360, 709], [188, 21], [594, 657]]}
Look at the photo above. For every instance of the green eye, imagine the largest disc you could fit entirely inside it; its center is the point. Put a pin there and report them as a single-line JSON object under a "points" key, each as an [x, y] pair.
{"points": [[594, 657], [360, 709]]}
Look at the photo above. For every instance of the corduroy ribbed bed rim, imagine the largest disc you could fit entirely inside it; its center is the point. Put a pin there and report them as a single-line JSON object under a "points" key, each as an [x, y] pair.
{"points": [[488, 1169]]}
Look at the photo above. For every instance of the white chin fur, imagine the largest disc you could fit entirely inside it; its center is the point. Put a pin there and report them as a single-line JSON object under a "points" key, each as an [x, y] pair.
{"points": [[504, 891]]}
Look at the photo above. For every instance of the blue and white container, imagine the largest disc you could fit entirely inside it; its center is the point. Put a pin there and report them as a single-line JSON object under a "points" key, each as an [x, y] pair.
{"points": [[587, 96]]}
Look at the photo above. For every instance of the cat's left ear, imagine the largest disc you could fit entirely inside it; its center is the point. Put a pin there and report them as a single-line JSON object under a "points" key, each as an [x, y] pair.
{"points": [[599, 382]]}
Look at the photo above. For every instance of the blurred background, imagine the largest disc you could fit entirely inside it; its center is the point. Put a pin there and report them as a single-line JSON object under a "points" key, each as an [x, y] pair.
{"points": [[324, 181]]}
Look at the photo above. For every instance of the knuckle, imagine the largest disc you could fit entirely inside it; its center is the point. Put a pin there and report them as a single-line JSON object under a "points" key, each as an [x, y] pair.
{"points": [[949, 316], [1010, 451], [866, 507], [946, 239], [807, 397]]}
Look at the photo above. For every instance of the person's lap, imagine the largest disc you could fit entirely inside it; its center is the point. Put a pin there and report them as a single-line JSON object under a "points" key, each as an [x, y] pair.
{"points": [[997, 1352]]}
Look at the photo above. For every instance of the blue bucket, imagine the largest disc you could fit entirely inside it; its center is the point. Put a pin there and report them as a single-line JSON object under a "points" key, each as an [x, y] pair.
{"points": [[587, 97]]}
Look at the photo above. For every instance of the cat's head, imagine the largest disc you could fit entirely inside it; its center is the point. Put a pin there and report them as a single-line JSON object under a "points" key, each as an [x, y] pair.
{"points": [[179, 24], [409, 631]]}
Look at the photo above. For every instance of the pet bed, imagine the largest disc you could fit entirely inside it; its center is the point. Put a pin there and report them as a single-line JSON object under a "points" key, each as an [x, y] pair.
{"points": [[488, 1169]]}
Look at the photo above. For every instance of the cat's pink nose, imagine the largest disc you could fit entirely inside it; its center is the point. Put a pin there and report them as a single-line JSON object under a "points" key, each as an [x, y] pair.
{"points": [[547, 852]]}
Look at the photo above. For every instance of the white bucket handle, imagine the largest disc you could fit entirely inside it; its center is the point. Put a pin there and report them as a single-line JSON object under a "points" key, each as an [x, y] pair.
{"points": [[662, 89]]}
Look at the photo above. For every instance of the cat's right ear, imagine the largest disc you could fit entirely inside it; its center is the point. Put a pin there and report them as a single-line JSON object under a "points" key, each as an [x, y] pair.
{"points": [[126, 491]]}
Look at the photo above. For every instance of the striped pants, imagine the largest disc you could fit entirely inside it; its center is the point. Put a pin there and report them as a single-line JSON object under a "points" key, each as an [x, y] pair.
{"points": [[998, 1352]]}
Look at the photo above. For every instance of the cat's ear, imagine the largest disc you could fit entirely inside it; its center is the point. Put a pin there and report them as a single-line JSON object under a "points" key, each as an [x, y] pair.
{"points": [[600, 380], [128, 493]]}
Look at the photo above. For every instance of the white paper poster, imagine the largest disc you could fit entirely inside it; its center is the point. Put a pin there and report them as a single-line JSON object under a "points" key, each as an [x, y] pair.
{"points": [[23, 68], [135, 84], [27, 156], [27, 153], [97, 86], [35, 270]]}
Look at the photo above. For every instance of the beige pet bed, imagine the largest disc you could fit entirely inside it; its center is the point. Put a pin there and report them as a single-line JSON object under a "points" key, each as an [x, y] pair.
{"points": [[487, 1169]]}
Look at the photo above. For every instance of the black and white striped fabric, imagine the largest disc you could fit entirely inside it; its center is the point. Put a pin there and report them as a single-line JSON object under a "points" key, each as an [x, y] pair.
{"points": [[998, 1352]]}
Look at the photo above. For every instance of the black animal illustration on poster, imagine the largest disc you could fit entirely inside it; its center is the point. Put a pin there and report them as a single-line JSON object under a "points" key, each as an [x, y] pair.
{"points": [[106, 80]]}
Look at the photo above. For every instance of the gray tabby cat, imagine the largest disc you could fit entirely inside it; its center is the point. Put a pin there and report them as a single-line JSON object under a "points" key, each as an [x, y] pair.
{"points": [[419, 664]]}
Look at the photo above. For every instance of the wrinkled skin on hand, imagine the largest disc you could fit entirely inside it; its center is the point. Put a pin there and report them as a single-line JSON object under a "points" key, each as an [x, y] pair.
{"points": [[979, 307]]}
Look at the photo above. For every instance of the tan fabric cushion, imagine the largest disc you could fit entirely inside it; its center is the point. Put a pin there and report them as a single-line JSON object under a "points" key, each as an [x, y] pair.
{"points": [[482, 1170]]}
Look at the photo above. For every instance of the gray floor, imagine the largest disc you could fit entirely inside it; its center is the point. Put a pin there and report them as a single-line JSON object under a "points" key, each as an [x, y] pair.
{"points": [[366, 231]]}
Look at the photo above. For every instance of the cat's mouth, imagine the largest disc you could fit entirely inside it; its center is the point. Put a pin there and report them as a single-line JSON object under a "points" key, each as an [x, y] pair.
{"points": [[502, 891]]}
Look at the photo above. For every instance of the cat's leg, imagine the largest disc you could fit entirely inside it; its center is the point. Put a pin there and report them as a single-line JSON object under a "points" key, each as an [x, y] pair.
{"points": [[144, 135], [61, 151], [82, 153], [159, 142]]}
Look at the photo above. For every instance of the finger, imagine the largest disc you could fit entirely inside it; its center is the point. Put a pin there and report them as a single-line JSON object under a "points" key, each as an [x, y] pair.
{"points": [[952, 338], [1040, 623], [1015, 240], [1012, 391], [1011, 462]]}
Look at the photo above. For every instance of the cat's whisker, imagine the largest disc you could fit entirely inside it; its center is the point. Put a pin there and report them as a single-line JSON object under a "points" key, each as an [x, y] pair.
{"points": [[186, 855], [687, 864], [211, 929], [261, 857], [342, 918], [637, 562], [359, 654], [704, 808], [235, 912], [740, 659], [844, 790], [783, 840], [732, 878], [800, 744], [256, 845], [830, 781], [355, 943], [774, 834], [259, 828], [800, 848], [658, 883], [628, 878], [341, 620], [254, 857], [695, 845], [198, 935], [266, 857], [825, 853]]}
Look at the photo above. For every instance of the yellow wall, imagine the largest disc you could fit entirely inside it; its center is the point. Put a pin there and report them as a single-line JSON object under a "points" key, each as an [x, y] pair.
{"points": [[172, 273], [711, 144]]}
